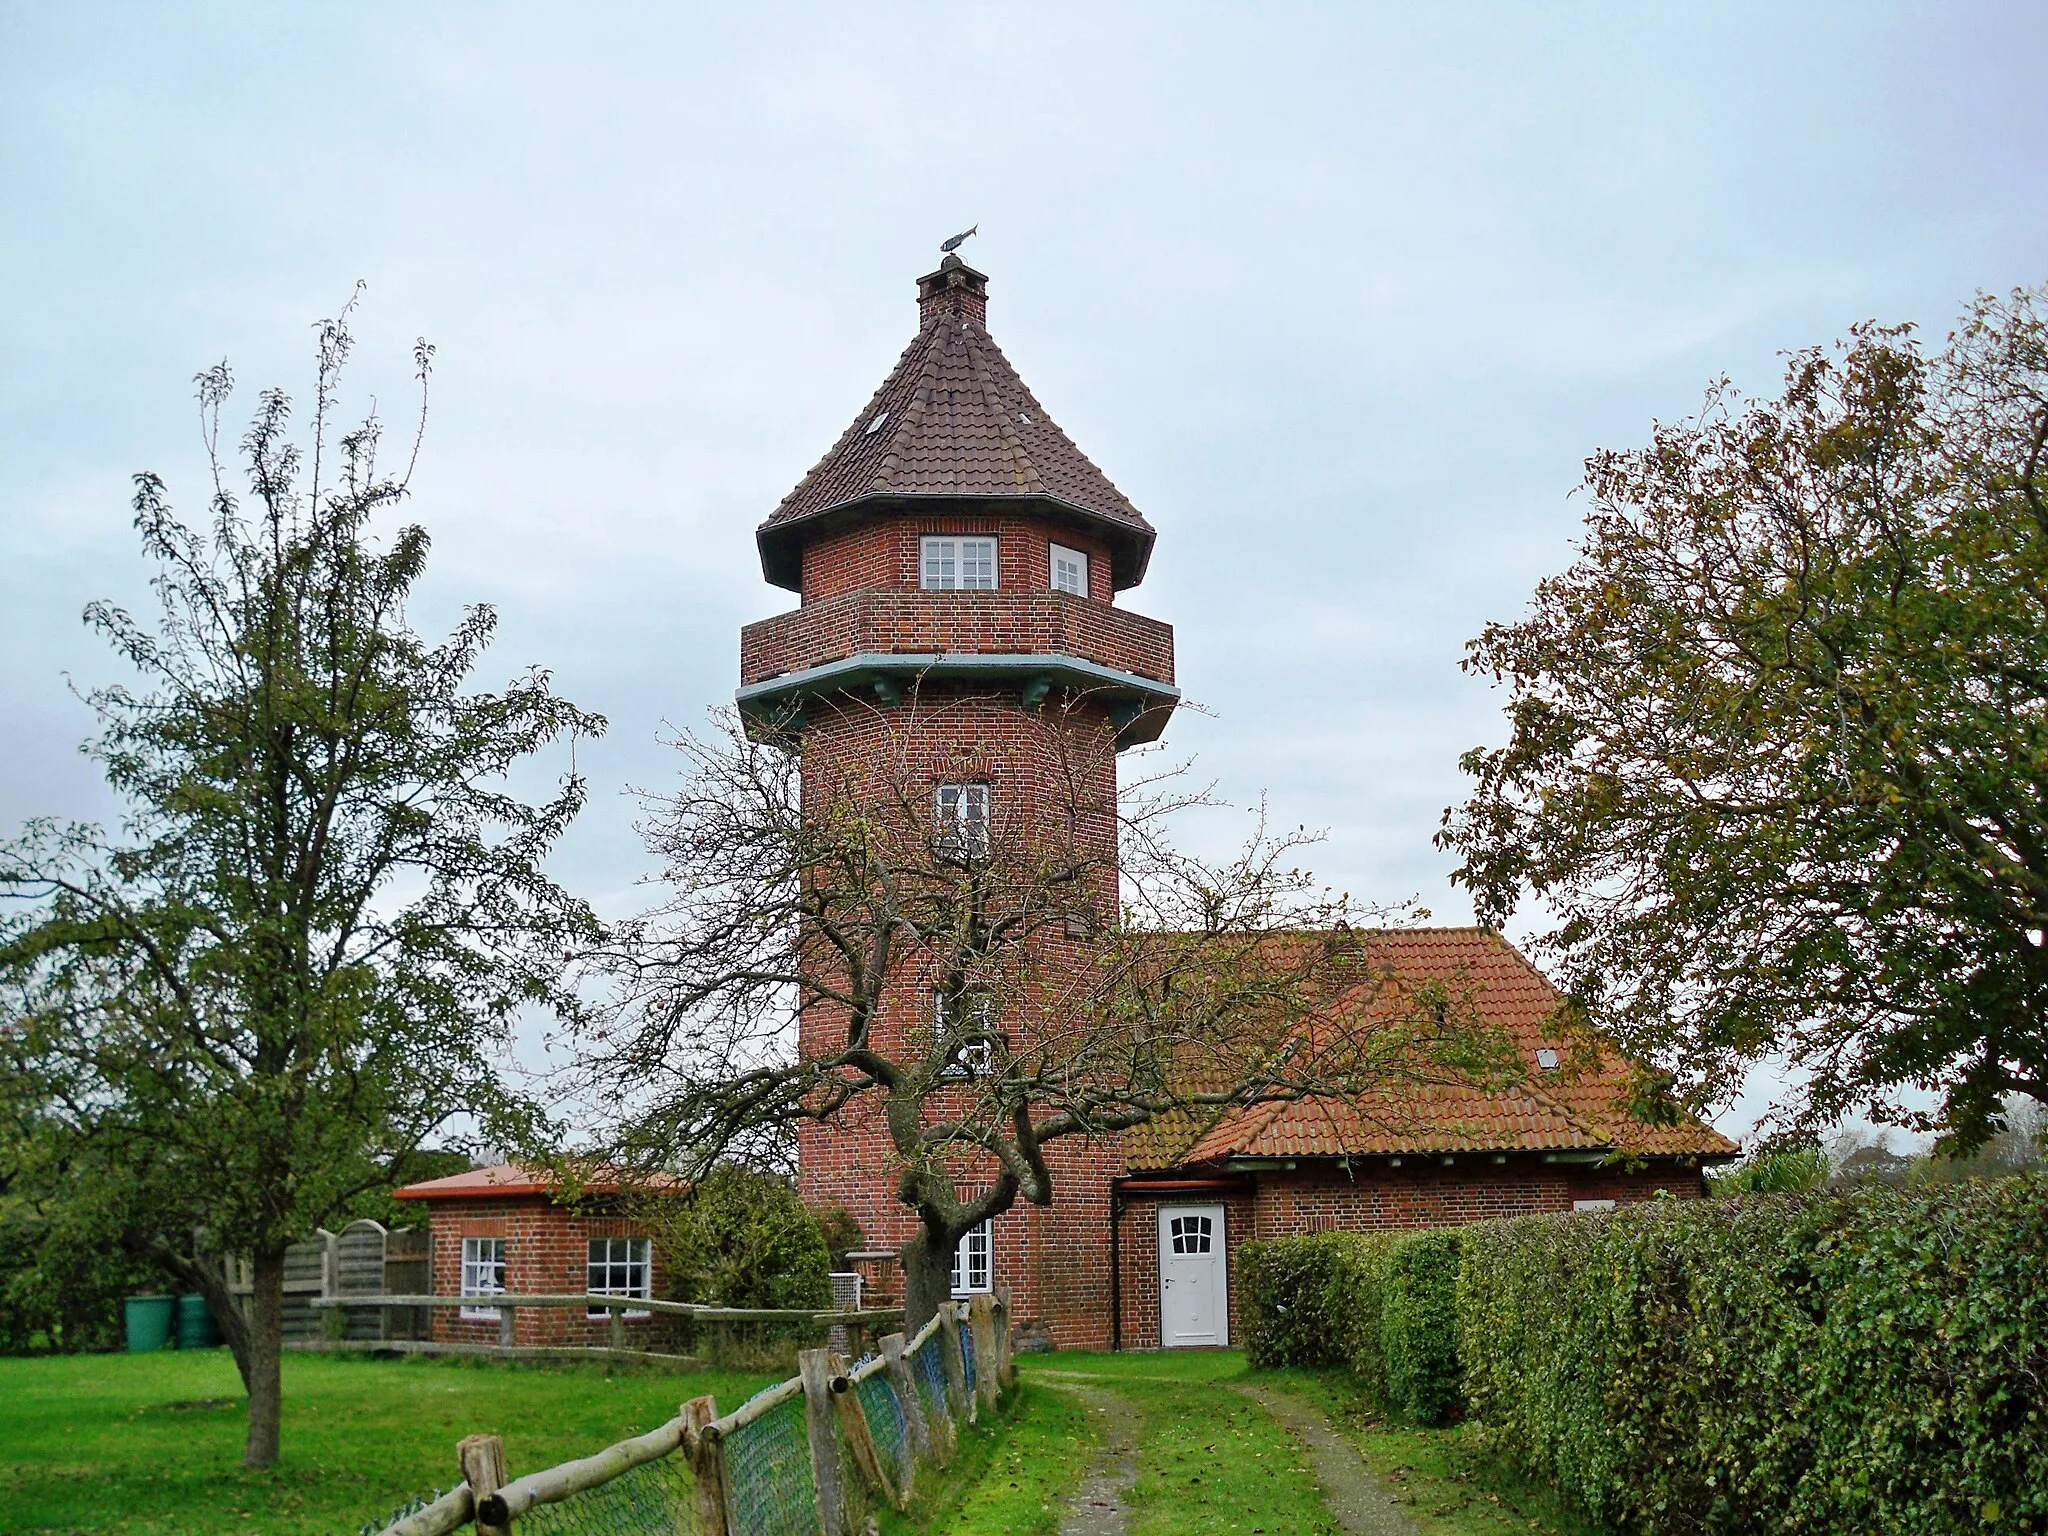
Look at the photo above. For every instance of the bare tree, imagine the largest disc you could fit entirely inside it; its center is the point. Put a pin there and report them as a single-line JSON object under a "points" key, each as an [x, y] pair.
{"points": [[974, 984]]}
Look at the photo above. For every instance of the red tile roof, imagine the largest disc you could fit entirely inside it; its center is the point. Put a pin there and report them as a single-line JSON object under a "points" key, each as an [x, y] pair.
{"points": [[954, 420], [506, 1181], [1578, 1105]]}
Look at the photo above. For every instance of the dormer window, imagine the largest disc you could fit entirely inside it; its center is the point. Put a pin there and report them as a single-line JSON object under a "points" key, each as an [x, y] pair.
{"points": [[1546, 1058], [958, 565], [1069, 570]]}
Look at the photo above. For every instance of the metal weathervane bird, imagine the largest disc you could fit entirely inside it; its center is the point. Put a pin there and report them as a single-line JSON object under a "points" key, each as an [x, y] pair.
{"points": [[954, 244]]}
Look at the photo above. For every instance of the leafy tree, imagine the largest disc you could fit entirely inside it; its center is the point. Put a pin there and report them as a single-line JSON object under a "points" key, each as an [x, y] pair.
{"points": [[824, 892], [741, 1239], [1778, 765], [300, 957]]}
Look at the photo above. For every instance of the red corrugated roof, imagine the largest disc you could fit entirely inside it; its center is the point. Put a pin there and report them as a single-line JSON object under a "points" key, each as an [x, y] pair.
{"points": [[505, 1181]]}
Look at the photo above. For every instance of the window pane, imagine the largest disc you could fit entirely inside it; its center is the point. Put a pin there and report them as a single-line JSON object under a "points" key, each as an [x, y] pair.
{"points": [[974, 1261], [1069, 570]]}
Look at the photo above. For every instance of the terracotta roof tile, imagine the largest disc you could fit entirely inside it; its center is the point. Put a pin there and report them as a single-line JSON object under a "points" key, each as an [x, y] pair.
{"points": [[953, 419], [1576, 1106], [507, 1181]]}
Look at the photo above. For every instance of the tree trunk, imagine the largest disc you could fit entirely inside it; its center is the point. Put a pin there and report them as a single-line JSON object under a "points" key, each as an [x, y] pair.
{"points": [[264, 1371], [927, 1280]]}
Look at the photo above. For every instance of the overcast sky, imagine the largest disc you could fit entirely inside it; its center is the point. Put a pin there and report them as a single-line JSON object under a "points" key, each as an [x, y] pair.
{"points": [[1341, 296]]}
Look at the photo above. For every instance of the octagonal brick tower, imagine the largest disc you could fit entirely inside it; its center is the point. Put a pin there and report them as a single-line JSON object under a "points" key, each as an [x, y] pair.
{"points": [[958, 560]]}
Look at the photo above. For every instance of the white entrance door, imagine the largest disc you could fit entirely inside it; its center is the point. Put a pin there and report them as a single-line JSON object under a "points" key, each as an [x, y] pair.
{"points": [[1194, 1283]]}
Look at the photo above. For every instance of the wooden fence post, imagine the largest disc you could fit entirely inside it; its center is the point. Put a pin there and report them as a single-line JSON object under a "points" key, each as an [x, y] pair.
{"points": [[506, 1330], [482, 1459], [958, 1403], [988, 1365], [814, 1366], [859, 1437], [922, 1445], [707, 1464], [1006, 1357], [617, 1320]]}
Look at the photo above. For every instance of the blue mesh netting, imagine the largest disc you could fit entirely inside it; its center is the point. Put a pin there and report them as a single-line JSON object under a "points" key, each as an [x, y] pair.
{"points": [[768, 1474], [967, 1358], [653, 1499], [930, 1369], [886, 1425]]}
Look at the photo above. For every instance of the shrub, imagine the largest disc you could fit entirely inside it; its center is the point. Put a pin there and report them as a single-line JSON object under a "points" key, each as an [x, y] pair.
{"points": [[1418, 1327], [1383, 1304], [1799, 1363], [742, 1239]]}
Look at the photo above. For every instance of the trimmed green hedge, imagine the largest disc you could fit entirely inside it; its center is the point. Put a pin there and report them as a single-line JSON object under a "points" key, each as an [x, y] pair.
{"points": [[1383, 1304], [1876, 1361]]}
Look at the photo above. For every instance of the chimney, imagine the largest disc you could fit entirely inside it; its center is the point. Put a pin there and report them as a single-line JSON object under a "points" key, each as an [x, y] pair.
{"points": [[955, 289]]}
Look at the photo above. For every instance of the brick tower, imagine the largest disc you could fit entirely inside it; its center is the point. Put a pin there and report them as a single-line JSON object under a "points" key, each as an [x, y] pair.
{"points": [[958, 561]]}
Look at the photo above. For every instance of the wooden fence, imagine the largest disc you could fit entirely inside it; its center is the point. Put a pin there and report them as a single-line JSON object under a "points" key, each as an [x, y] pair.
{"points": [[363, 1261], [814, 1453]]}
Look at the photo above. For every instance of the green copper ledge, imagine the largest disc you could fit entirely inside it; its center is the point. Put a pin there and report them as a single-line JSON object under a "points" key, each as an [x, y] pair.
{"points": [[1138, 706]]}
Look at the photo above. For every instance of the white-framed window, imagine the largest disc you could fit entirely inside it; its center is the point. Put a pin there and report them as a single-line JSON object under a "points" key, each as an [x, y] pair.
{"points": [[974, 1261], [962, 820], [1190, 1234], [483, 1274], [957, 565], [1069, 570], [617, 1266], [969, 1010]]}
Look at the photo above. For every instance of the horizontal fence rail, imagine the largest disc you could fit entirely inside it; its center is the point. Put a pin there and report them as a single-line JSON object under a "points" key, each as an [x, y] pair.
{"points": [[810, 1456]]}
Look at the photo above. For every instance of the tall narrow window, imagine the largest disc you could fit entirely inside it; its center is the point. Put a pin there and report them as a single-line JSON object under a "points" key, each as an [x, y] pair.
{"points": [[958, 565], [483, 1273], [955, 1012], [617, 1266], [974, 1261], [1069, 570], [962, 811]]}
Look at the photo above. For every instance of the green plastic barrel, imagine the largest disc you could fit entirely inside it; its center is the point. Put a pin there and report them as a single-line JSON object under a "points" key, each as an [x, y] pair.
{"points": [[196, 1328], [149, 1322]]}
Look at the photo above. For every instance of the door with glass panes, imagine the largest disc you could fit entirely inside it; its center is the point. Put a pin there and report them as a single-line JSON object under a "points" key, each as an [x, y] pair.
{"points": [[1194, 1284]]}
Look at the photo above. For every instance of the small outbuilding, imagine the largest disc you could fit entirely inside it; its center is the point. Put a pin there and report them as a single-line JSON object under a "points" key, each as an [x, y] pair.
{"points": [[512, 1230]]}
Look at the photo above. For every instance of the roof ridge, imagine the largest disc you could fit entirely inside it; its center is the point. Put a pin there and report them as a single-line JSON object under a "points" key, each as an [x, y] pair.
{"points": [[1026, 470]]}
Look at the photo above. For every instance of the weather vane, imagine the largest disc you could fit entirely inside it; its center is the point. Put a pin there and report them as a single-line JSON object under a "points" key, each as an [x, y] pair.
{"points": [[954, 244]]}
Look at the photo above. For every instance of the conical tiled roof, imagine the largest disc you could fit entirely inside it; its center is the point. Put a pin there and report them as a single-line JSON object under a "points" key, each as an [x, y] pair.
{"points": [[952, 421]]}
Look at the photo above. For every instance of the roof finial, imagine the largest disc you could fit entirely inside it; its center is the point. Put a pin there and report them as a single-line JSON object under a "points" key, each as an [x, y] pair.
{"points": [[948, 247]]}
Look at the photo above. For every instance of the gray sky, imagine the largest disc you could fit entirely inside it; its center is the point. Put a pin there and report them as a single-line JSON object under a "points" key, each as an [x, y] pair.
{"points": [[1339, 295]]}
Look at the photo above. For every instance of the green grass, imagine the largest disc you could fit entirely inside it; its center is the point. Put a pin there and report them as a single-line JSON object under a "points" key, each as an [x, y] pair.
{"points": [[149, 1444], [1210, 1462], [1449, 1483], [1012, 1473]]}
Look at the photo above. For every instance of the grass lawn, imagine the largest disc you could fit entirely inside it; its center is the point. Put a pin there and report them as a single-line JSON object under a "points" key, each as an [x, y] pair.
{"points": [[1012, 1473], [1212, 1462], [153, 1443]]}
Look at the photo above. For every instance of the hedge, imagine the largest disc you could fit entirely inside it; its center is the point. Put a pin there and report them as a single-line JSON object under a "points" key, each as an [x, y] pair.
{"points": [[1382, 1304], [1876, 1361]]}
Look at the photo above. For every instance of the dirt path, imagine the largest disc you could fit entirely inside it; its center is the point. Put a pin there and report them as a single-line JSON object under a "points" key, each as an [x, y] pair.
{"points": [[1097, 1507], [1357, 1500]]}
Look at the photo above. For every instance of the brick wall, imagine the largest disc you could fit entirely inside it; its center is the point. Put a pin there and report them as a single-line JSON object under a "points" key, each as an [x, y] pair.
{"points": [[882, 552], [546, 1254], [956, 623], [1421, 1193]]}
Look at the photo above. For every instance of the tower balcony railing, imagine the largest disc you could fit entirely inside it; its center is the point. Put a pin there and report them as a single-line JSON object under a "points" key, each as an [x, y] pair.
{"points": [[956, 623]]}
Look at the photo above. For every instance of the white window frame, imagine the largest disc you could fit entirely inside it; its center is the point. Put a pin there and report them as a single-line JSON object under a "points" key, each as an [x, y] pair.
{"points": [[638, 1257], [1592, 1205], [949, 562], [482, 1275], [960, 816], [975, 1059], [976, 1252], [1078, 559]]}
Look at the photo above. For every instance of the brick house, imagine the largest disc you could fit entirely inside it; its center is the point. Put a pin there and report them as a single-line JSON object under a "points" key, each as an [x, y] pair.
{"points": [[955, 550], [507, 1230]]}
